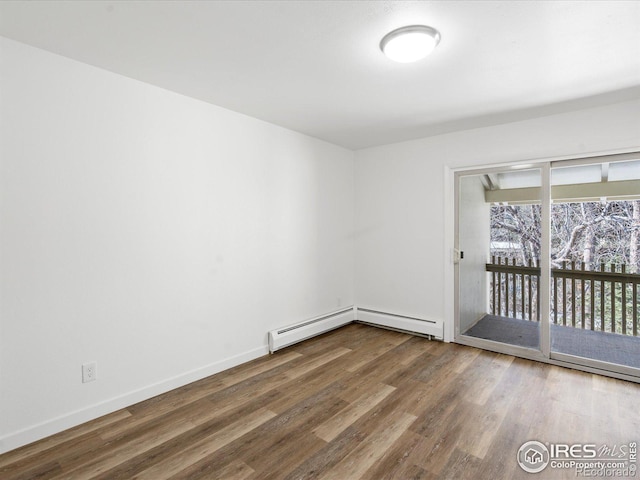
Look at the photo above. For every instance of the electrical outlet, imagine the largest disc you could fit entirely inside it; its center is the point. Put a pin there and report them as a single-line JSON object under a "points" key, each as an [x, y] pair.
{"points": [[89, 372]]}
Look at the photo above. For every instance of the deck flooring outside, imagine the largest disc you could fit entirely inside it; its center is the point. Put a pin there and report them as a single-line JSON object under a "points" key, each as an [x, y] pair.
{"points": [[603, 346]]}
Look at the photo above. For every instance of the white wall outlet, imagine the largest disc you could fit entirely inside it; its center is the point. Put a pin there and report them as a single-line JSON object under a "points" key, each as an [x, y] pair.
{"points": [[89, 372]]}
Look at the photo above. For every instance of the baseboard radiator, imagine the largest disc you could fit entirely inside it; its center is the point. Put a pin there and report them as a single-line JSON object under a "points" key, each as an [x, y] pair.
{"points": [[421, 326], [285, 336]]}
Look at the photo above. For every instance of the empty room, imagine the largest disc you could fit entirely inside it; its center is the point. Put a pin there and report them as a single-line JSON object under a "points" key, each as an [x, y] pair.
{"points": [[319, 239]]}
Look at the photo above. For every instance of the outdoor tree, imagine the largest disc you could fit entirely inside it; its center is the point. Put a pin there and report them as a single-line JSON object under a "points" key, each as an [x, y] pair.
{"points": [[594, 236], [592, 233]]}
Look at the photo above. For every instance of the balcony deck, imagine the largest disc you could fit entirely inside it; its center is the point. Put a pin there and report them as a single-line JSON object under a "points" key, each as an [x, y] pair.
{"points": [[604, 346]]}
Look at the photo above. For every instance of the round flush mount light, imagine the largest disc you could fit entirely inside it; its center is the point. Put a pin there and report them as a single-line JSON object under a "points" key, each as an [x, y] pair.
{"points": [[410, 44]]}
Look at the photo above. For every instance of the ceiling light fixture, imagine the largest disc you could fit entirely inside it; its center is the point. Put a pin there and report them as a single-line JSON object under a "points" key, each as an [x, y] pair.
{"points": [[410, 44]]}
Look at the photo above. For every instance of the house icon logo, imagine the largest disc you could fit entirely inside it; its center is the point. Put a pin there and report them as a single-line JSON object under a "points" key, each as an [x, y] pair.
{"points": [[533, 457]]}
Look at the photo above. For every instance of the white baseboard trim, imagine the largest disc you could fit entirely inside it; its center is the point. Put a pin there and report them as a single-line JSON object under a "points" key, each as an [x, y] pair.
{"points": [[422, 326], [278, 338], [72, 419]]}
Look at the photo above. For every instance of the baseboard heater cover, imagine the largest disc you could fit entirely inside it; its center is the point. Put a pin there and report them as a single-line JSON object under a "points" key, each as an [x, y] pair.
{"points": [[285, 336], [432, 328]]}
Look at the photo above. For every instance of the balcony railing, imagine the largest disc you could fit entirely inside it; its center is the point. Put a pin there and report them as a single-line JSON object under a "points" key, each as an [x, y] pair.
{"points": [[604, 300]]}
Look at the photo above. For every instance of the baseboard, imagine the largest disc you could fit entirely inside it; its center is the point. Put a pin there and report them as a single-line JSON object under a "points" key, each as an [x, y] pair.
{"points": [[298, 332], [279, 338], [64, 422], [422, 326]]}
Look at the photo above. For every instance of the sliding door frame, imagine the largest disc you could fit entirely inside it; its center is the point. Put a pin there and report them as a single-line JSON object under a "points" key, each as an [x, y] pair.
{"points": [[491, 345], [544, 353]]}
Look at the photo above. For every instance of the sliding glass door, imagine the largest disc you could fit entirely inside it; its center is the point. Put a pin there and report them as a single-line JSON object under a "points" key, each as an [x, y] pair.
{"points": [[595, 260], [547, 261], [498, 264]]}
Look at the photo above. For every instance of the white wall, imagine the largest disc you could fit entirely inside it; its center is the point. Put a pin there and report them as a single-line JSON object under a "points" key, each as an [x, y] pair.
{"points": [[162, 236], [404, 200], [155, 234]]}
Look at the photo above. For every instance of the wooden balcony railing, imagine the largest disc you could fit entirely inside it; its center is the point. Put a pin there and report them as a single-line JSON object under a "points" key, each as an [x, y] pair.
{"points": [[604, 300]]}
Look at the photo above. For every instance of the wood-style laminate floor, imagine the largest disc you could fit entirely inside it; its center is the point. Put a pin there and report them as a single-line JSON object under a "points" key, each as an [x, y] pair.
{"points": [[358, 402]]}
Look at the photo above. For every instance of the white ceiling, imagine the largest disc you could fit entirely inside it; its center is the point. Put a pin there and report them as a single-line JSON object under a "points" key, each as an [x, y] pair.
{"points": [[315, 66]]}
